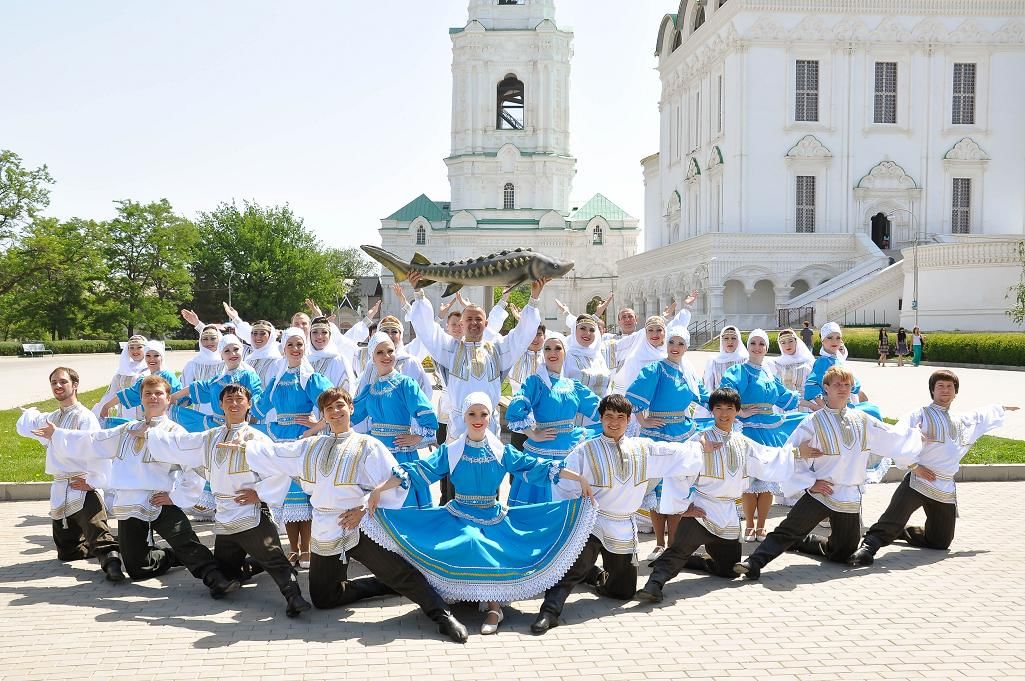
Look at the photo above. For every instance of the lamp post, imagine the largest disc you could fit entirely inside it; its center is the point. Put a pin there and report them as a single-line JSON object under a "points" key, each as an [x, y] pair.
{"points": [[918, 233]]}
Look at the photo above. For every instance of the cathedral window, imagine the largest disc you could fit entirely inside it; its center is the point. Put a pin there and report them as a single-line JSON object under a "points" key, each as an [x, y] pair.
{"points": [[963, 107], [886, 92], [508, 196], [510, 104], [806, 106], [421, 236], [597, 236], [699, 17], [961, 206], [805, 204]]}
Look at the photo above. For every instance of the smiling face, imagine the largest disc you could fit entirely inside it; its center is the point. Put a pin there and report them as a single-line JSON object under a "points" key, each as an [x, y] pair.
{"points": [[301, 320], [209, 341], [261, 337], [832, 342], [477, 418], [539, 339], [725, 414], [319, 338], [757, 347], [384, 358], [614, 423], [136, 352], [295, 347], [787, 344], [474, 323], [394, 334], [585, 334], [676, 348], [338, 415], [236, 407], [944, 392], [63, 388], [730, 341], [838, 392], [454, 326], [154, 361], [627, 320], [232, 355], [656, 336], [555, 355], [155, 400]]}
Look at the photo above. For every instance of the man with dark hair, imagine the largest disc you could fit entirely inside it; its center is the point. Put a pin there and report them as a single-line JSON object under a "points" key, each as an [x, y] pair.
{"points": [[148, 495], [620, 470], [807, 335], [929, 483], [708, 494], [337, 470], [79, 523]]}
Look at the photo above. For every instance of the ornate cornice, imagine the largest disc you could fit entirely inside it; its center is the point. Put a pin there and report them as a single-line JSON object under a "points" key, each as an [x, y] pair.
{"points": [[887, 175], [809, 147], [966, 150]]}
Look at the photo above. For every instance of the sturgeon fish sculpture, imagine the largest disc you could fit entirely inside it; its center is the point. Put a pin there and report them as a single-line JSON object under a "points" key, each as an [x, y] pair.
{"points": [[508, 268]]}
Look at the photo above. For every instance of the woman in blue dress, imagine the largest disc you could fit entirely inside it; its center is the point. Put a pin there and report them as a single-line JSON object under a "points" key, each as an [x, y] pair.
{"points": [[208, 391], [545, 409], [131, 397], [834, 352], [662, 395], [474, 549], [285, 408], [394, 409], [769, 414]]}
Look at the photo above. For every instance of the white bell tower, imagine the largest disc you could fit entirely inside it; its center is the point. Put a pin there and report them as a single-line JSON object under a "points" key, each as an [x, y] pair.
{"points": [[510, 109]]}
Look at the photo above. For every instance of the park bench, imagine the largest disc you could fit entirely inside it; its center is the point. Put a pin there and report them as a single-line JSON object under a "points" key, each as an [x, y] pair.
{"points": [[34, 350]]}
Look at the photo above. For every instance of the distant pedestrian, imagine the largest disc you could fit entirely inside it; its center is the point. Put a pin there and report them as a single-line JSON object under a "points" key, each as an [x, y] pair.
{"points": [[917, 345], [902, 346], [884, 346], [807, 335]]}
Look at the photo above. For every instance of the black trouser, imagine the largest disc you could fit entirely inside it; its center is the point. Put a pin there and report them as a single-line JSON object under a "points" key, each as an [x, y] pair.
{"points": [[330, 588], [87, 533], [448, 491], [795, 528], [518, 440], [723, 554], [617, 580], [263, 546], [143, 561], [940, 519]]}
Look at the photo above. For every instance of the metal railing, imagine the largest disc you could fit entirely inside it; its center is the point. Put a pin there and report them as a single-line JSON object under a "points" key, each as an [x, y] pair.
{"points": [[793, 317], [703, 331]]}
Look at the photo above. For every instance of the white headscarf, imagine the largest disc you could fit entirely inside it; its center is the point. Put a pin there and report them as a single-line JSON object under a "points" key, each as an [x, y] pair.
{"points": [[156, 346], [126, 366], [305, 368], [232, 339], [802, 355], [370, 371], [542, 370], [269, 351], [330, 348], [455, 450], [643, 354], [828, 328], [205, 356], [685, 367], [739, 355], [575, 348]]}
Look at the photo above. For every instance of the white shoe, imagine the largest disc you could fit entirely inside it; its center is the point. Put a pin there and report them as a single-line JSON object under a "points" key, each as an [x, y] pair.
{"points": [[655, 553], [486, 628], [749, 534]]}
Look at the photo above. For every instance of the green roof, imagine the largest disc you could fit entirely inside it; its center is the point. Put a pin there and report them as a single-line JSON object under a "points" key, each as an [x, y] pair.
{"points": [[599, 205], [497, 221], [422, 206]]}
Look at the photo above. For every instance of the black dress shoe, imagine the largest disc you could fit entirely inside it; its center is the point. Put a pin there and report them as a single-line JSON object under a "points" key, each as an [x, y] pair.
{"points": [[746, 569], [651, 593], [451, 627], [544, 622], [112, 568], [296, 604], [865, 555], [219, 585]]}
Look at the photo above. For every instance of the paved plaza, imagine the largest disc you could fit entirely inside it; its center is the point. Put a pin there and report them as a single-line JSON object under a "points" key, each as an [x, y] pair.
{"points": [[915, 614]]}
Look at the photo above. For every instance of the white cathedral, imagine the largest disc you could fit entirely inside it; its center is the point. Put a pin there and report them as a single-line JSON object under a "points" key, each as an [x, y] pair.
{"points": [[861, 162], [510, 169]]}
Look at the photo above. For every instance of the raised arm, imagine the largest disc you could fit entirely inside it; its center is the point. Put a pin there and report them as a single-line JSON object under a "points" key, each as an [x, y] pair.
{"points": [[438, 343], [519, 339]]}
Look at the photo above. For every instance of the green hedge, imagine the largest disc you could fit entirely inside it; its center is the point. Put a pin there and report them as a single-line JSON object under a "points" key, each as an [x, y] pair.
{"points": [[77, 347], [1003, 349]]}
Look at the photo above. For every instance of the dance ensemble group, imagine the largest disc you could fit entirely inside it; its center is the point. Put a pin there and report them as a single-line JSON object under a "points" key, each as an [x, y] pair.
{"points": [[341, 437]]}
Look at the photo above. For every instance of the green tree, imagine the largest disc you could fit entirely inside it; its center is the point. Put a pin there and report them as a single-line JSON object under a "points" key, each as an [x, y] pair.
{"points": [[1017, 292], [272, 261], [149, 251], [23, 193]]}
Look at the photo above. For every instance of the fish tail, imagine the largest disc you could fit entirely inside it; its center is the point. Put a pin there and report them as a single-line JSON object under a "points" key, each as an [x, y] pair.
{"points": [[391, 261]]}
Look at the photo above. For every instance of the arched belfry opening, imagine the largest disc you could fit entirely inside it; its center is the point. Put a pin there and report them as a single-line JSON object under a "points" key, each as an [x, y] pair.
{"points": [[510, 104], [881, 231]]}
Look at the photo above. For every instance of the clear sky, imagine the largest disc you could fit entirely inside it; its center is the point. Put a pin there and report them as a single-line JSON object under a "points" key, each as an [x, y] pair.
{"points": [[339, 108]]}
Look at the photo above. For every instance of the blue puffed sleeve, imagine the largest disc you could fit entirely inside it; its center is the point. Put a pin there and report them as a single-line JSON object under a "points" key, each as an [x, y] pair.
{"points": [[520, 412], [262, 404], [172, 380], [786, 399], [251, 380], [813, 384], [735, 378], [703, 394], [642, 390], [315, 386], [132, 395], [418, 404], [532, 469], [587, 401], [422, 473], [360, 405]]}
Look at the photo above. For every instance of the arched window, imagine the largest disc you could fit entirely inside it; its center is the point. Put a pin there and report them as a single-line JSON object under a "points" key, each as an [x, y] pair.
{"points": [[721, 3], [677, 40], [421, 236], [598, 237], [510, 104], [699, 17], [509, 196]]}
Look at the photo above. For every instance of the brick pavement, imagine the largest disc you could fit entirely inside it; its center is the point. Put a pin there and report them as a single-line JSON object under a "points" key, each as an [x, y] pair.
{"points": [[915, 614]]}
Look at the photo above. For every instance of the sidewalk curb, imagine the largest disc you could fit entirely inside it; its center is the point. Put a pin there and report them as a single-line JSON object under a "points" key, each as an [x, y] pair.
{"points": [[978, 472]]}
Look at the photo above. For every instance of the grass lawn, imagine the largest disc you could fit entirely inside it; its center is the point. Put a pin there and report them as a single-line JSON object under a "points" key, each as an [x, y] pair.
{"points": [[21, 458]]}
